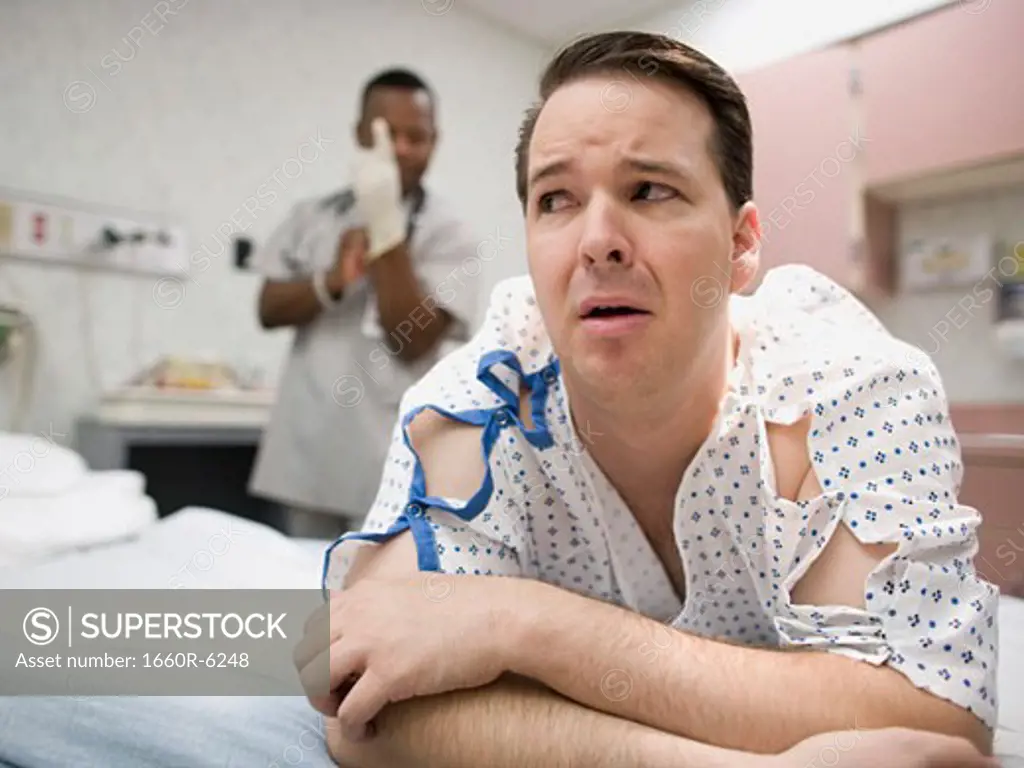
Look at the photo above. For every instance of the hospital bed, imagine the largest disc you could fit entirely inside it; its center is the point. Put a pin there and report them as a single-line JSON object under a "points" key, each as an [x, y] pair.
{"points": [[197, 548]]}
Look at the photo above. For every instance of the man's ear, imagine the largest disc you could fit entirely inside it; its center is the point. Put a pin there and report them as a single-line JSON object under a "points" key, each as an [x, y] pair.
{"points": [[746, 247]]}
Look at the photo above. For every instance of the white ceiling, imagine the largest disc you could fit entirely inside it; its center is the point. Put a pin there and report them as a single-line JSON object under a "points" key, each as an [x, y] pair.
{"points": [[553, 22]]}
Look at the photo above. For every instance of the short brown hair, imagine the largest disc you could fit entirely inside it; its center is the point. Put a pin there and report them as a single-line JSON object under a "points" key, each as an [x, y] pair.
{"points": [[641, 54]]}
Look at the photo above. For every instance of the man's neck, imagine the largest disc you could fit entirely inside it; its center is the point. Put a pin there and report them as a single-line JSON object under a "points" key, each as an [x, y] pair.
{"points": [[645, 448]]}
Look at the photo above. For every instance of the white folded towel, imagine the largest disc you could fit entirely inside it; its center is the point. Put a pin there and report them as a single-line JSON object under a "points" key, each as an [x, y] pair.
{"points": [[38, 465], [102, 507], [193, 548]]}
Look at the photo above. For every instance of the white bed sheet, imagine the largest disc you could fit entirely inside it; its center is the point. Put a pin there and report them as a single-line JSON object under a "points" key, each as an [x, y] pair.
{"points": [[198, 548], [1010, 735]]}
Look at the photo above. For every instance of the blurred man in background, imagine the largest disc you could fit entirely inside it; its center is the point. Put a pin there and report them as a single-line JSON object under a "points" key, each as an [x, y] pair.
{"points": [[367, 277]]}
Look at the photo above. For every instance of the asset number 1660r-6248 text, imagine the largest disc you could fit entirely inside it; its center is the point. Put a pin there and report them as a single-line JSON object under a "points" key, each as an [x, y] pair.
{"points": [[184, 660]]}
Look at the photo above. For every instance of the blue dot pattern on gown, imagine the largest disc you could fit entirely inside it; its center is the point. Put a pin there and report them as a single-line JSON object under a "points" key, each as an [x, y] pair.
{"points": [[880, 442]]}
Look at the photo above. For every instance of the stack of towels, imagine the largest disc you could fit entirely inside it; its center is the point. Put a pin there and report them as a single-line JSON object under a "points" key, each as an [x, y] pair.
{"points": [[51, 503]]}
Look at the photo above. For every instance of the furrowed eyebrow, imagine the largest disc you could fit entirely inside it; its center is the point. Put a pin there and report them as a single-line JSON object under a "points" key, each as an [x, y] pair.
{"points": [[551, 169], [657, 166], [638, 164]]}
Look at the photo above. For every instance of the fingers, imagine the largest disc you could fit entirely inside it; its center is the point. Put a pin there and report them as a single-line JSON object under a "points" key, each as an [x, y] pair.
{"points": [[355, 238], [317, 618], [316, 637], [323, 663], [360, 705], [355, 249], [354, 268], [322, 629], [319, 683], [381, 137], [328, 678], [326, 705]]}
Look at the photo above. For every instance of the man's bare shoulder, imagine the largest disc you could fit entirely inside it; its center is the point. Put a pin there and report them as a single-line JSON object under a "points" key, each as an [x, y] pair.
{"points": [[450, 454]]}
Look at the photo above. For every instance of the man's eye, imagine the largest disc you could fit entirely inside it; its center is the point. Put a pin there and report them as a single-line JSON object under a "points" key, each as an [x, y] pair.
{"points": [[549, 201], [649, 190]]}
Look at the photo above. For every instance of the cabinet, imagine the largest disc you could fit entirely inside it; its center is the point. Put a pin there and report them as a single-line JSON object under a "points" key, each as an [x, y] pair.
{"points": [[175, 457], [938, 110], [944, 92], [993, 484], [805, 160]]}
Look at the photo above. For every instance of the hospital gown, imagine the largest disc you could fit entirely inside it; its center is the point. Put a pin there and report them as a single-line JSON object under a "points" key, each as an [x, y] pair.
{"points": [[880, 442]]}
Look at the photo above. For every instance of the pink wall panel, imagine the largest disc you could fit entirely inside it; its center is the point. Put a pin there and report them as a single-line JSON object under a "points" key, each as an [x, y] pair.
{"points": [[982, 418], [995, 490], [944, 90], [803, 144], [994, 485]]}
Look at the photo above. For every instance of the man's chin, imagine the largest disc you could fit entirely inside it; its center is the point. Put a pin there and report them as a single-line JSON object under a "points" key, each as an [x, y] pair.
{"points": [[608, 369], [410, 184]]}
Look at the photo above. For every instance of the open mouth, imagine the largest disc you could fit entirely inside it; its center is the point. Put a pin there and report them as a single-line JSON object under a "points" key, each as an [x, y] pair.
{"points": [[613, 311]]}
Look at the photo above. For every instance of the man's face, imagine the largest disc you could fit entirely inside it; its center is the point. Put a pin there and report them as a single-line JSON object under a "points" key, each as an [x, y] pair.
{"points": [[409, 114], [627, 209]]}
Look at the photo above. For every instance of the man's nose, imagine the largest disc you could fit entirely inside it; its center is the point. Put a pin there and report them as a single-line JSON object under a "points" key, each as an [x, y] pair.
{"points": [[403, 147], [603, 241]]}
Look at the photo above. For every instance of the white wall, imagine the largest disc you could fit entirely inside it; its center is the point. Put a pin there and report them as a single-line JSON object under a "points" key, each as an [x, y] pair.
{"points": [[747, 34], [104, 102]]}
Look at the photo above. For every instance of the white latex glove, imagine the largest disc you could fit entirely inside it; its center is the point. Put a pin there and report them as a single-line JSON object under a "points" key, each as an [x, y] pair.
{"points": [[378, 188]]}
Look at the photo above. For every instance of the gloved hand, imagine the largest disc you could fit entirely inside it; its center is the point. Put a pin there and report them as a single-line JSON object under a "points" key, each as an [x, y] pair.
{"points": [[378, 188]]}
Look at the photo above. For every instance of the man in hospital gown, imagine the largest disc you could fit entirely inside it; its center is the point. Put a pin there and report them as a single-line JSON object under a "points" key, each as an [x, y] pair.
{"points": [[644, 519], [641, 520], [373, 280]]}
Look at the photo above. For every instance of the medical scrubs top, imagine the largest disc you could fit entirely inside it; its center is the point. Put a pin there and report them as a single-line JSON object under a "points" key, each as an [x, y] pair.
{"points": [[342, 382]]}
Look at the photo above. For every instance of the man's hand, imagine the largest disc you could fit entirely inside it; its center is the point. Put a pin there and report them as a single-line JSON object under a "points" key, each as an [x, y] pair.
{"points": [[392, 640], [350, 263], [378, 188], [888, 747]]}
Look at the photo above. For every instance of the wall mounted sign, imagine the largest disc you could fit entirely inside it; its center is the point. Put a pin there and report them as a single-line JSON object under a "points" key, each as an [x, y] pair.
{"points": [[938, 263]]}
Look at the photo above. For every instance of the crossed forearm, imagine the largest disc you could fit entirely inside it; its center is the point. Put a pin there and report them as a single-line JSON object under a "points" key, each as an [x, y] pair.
{"points": [[515, 723], [738, 697]]}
